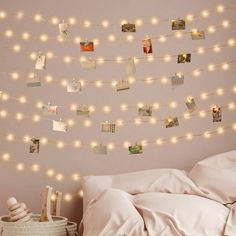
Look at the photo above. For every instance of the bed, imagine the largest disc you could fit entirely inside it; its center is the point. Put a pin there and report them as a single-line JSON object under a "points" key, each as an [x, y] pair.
{"points": [[164, 202]]}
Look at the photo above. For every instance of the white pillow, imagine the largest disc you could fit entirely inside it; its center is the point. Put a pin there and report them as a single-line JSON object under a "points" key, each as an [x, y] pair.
{"points": [[216, 176]]}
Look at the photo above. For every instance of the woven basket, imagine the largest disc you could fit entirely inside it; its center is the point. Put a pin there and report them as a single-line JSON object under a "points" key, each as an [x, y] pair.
{"points": [[34, 228], [71, 229]]}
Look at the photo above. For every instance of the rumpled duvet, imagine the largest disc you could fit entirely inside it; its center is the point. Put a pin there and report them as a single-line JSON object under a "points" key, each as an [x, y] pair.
{"points": [[162, 202]]}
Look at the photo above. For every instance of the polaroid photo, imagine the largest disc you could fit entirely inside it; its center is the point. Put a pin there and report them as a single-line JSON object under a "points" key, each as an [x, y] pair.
{"points": [[130, 28], [40, 61], [33, 81], [136, 149], [216, 114], [87, 46], [49, 110], [145, 111], [130, 67], [108, 127], [82, 110], [100, 149], [178, 24], [122, 85], [147, 45], [177, 80], [59, 126], [171, 122], [34, 145], [191, 105], [197, 35], [64, 30], [74, 86], [184, 58], [88, 64]]}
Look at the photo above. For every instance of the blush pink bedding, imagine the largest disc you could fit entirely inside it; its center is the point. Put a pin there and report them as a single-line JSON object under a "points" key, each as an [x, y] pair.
{"points": [[163, 202]]}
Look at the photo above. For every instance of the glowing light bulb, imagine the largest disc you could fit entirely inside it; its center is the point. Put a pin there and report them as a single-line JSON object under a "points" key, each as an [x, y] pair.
{"points": [[15, 76], [87, 123], [174, 140], [92, 108], [38, 18], [178, 35], [16, 48], [144, 143], [124, 107], [71, 122], [87, 23], [68, 197], [35, 168], [211, 67], [189, 136], [153, 120], [98, 83], [211, 29], [162, 39], [207, 134], [19, 116], [156, 106], [220, 8], [119, 60], [139, 22], [234, 89], [173, 104], [231, 42], [6, 157], [106, 109], [111, 146], [131, 80], [44, 38], [48, 78], [100, 60], [220, 91], [119, 122], [105, 23], [186, 116], [204, 96], [3, 113], [216, 48], [126, 144], [3, 14], [5, 96], [205, 13], [201, 50], [202, 114], [50, 55], [164, 80], [26, 138], [25, 36], [43, 140], [130, 38], [10, 137], [75, 177], [93, 144], [20, 167], [167, 58], [67, 59], [112, 37], [8, 33], [77, 143], [124, 21], [33, 56], [72, 20], [138, 121], [50, 172], [77, 40], [190, 17], [60, 144], [159, 142], [150, 58], [225, 66], [231, 106], [234, 126], [154, 20], [63, 83], [59, 177], [81, 193], [196, 73], [225, 24], [55, 21], [220, 130], [36, 118], [149, 80]]}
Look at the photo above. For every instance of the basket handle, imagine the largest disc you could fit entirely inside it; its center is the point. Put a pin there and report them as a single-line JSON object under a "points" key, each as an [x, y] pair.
{"points": [[1, 231]]}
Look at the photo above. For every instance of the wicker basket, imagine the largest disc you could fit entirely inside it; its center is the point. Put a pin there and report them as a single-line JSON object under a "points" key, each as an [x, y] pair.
{"points": [[34, 228], [71, 229]]}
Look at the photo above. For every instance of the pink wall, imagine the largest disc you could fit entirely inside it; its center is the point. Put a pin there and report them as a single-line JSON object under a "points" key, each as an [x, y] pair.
{"points": [[26, 185]]}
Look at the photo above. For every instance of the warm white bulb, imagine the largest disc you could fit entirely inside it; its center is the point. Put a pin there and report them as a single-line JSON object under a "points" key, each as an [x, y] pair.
{"points": [[6, 157], [119, 60], [68, 197], [220, 130], [50, 172], [225, 66], [110, 146], [100, 60], [16, 48], [60, 144], [3, 14], [112, 37], [201, 50], [106, 109], [19, 116], [231, 106], [10, 137], [55, 21], [216, 48], [15, 76], [173, 104], [93, 144], [38, 18], [138, 121], [167, 58], [211, 67], [67, 59], [87, 23], [189, 136], [162, 39], [70, 122], [87, 123], [205, 13], [207, 134], [20, 167], [220, 91], [174, 140], [43, 140], [225, 24], [59, 177], [149, 80], [25, 36], [202, 114], [105, 23], [211, 29], [159, 142], [72, 20], [196, 73], [43, 38], [234, 126], [178, 35], [48, 78], [204, 96], [190, 17], [75, 177], [8, 33], [231, 42], [153, 120], [220, 8], [98, 83], [3, 113], [5, 96], [124, 107], [186, 116], [164, 80], [126, 144], [154, 20], [35, 168], [36, 118], [130, 38], [77, 143]]}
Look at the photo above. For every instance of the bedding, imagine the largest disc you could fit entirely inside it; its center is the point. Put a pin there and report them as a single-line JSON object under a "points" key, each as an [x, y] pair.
{"points": [[163, 202]]}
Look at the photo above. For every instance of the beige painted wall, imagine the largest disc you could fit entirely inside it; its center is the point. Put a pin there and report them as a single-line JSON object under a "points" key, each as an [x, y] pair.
{"points": [[26, 185]]}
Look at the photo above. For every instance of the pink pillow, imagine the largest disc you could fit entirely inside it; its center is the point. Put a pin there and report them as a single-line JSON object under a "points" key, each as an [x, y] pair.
{"points": [[216, 176]]}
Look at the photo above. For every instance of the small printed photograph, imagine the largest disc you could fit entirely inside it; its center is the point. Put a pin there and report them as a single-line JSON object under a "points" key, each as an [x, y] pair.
{"points": [[178, 24], [59, 126], [177, 80], [100, 149], [130, 67], [33, 81], [108, 127], [86, 46], [145, 111], [74, 86], [40, 61], [171, 122], [64, 30], [184, 58], [130, 28], [216, 114], [49, 110], [191, 105], [136, 149], [147, 45], [122, 85], [82, 110], [88, 64], [34, 145], [197, 35]]}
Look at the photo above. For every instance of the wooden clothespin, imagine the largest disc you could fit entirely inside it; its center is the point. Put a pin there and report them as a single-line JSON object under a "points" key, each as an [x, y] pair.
{"points": [[46, 205], [56, 210]]}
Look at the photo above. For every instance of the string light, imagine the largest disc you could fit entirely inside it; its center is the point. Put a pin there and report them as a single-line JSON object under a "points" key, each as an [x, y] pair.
{"points": [[55, 21], [16, 48], [107, 109], [162, 39], [220, 91], [35, 168], [207, 135], [25, 36], [67, 197], [3, 14], [50, 172], [87, 123], [205, 13], [75, 177], [220, 8], [6, 157], [87, 23], [38, 18], [211, 29], [231, 42], [220, 130], [72, 21], [154, 20], [112, 37], [8, 33], [105, 23], [77, 143], [60, 144], [43, 140], [110, 146], [225, 24], [20, 167], [26, 138], [15, 76], [59, 177], [201, 50], [225, 66], [10, 137], [174, 140], [44, 38], [216, 48], [3, 113], [189, 136], [159, 142], [202, 114], [190, 17]]}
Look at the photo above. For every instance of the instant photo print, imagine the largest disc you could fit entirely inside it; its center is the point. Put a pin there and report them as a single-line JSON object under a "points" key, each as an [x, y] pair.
{"points": [[74, 86], [177, 80], [122, 85], [59, 126], [100, 149], [82, 110], [197, 35], [130, 28], [87, 46], [130, 67], [216, 114], [49, 110], [184, 58], [64, 30], [191, 105], [178, 24], [40, 61], [136, 149], [34, 145], [108, 127], [145, 111], [88, 64], [33, 81], [147, 45], [171, 122]]}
